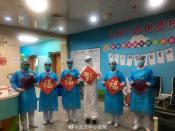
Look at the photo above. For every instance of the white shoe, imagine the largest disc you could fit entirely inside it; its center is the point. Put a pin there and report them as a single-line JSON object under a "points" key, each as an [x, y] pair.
{"points": [[135, 127], [147, 129], [67, 120], [111, 122], [116, 124], [74, 120]]}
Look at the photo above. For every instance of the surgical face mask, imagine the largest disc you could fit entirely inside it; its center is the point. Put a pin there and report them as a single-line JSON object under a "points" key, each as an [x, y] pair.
{"points": [[25, 67], [113, 67], [69, 66], [140, 63], [47, 68]]}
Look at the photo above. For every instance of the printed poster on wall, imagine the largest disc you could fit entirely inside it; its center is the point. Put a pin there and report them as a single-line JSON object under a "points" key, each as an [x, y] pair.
{"points": [[169, 55], [146, 59], [116, 58], [160, 57], [135, 59], [111, 58], [152, 59], [122, 59], [129, 60]]}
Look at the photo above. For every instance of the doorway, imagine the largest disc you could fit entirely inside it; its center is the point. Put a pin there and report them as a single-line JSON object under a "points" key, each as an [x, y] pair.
{"points": [[32, 60], [56, 62]]}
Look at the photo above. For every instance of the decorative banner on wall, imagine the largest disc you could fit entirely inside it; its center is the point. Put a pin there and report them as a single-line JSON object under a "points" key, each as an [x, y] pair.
{"points": [[169, 55], [139, 41], [152, 58], [116, 58], [129, 60], [160, 57], [122, 59], [154, 26]]}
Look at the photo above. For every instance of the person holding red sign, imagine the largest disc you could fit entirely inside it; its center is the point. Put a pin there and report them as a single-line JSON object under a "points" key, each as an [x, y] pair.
{"points": [[71, 92], [48, 101], [23, 82], [89, 76], [141, 104], [114, 81]]}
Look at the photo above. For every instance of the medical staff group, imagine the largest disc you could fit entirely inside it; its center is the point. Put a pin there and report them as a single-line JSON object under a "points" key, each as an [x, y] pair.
{"points": [[141, 104]]}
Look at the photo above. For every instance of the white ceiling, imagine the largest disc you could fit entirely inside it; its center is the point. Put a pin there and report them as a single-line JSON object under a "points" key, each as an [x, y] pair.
{"points": [[73, 14]]}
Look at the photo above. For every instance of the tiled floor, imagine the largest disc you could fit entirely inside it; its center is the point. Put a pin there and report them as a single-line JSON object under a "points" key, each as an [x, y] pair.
{"points": [[59, 121]]}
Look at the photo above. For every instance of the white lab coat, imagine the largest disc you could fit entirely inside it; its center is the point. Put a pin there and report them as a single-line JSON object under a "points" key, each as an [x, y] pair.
{"points": [[90, 98]]}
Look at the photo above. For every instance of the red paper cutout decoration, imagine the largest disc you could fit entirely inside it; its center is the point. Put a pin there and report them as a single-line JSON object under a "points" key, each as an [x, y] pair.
{"points": [[113, 85], [47, 85], [88, 75], [69, 82], [3, 60]]}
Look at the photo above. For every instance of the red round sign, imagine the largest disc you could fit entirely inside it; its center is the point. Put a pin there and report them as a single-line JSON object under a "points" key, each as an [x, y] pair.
{"points": [[3, 60]]}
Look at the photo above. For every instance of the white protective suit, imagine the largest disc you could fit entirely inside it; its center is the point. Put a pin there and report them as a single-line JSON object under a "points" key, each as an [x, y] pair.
{"points": [[90, 97]]}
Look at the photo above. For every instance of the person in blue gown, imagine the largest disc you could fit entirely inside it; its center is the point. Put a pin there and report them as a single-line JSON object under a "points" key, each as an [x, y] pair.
{"points": [[141, 104], [27, 97], [71, 99], [113, 104], [48, 103]]}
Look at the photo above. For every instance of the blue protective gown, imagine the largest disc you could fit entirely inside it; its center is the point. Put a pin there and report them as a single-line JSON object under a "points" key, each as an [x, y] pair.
{"points": [[27, 99], [142, 103], [48, 102], [114, 103], [71, 99]]}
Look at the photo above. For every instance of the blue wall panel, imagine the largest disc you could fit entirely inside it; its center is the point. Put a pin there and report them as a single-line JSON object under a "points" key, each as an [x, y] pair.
{"points": [[98, 37], [40, 49]]}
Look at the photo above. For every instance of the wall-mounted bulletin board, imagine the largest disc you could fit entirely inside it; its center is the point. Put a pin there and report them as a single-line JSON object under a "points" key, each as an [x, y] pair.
{"points": [[79, 55]]}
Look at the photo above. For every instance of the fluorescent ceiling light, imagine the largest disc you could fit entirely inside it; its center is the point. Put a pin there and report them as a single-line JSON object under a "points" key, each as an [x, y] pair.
{"points": [[60, 28], [156, 3], [93, 19], [37, 5], [27, 38], [7, 18]]}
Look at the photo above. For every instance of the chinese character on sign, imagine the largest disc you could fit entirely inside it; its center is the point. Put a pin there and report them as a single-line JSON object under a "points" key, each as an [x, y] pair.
{"points": [[47, 85], [113, 85], [68, 82], [88, 75]]}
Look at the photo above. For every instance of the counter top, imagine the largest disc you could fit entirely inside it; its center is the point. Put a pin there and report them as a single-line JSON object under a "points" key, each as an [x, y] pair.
{"points": [[5, 96]]}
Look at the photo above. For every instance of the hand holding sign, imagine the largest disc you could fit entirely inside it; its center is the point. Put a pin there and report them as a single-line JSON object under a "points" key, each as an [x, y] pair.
{"points": [[68, 82], [113, 85], [47, 85], [88, 75]]}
